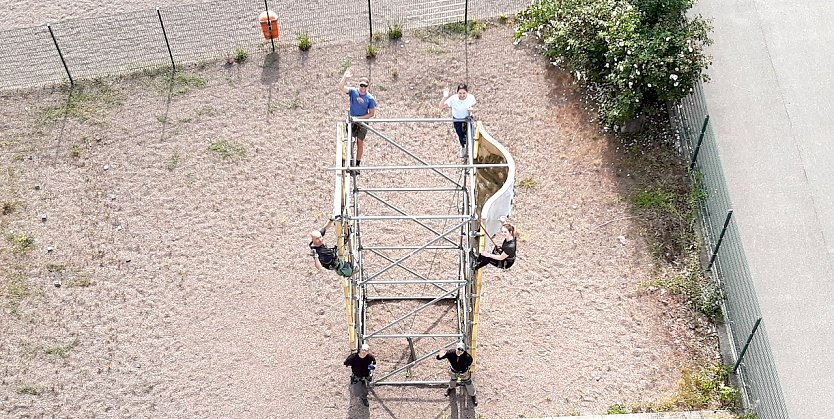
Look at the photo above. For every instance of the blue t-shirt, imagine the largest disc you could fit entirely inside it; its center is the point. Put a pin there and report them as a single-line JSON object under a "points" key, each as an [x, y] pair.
{"points": [[360, 104]]}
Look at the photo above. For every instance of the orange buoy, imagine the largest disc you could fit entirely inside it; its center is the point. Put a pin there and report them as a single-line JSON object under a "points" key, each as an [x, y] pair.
{"points": [[268, 19]]}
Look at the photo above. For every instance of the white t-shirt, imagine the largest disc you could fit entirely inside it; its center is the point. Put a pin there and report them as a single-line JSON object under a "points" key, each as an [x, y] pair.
{"points": [[460, 108]]}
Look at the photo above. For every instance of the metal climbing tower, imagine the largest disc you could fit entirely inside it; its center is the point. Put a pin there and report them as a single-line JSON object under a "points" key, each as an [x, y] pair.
{"points": [[409, 227]]}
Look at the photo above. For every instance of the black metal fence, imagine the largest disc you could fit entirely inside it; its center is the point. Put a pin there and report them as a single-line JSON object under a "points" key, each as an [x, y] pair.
{"points": [[171, 35], [727, 262]]}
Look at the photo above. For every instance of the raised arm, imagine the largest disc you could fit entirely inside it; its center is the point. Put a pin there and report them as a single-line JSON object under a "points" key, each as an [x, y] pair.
{"points": [[445, 96], [343, 81]]}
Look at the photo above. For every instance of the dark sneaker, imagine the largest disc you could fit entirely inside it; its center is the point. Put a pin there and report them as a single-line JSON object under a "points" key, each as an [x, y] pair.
{"points": [[365, 401], [474, 400], [449, 391]]}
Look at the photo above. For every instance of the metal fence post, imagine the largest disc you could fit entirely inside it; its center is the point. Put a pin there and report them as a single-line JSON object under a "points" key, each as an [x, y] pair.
{"points": [[269, 25], [700, 140], [167, 44], [370, 23], [747, 344], [61, 55], [720, 239]]}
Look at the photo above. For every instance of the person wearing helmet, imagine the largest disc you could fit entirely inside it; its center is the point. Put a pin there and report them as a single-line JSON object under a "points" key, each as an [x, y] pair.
{"points": [[362, 364], [459, 363]]}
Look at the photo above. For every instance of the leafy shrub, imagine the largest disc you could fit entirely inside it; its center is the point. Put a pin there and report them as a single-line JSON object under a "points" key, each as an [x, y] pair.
{"points": [[241, 55], [634, 55]]}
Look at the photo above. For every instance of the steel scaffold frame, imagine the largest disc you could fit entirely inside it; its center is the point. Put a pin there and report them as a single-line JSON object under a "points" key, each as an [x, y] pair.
{"points": [[347, 203]]}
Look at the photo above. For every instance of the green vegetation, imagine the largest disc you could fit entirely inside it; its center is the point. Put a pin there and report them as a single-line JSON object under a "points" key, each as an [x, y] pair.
{"points": [[304, 43], [30, 390], [241, 55], [527, 183], [227, 149], [395, 31], [62, 351], [634, 55], [377, 37], [617, 409], [173, 161], [699, 388], [205, 110], [370, 51], [182, 83], [21, 242], [84, 102]]}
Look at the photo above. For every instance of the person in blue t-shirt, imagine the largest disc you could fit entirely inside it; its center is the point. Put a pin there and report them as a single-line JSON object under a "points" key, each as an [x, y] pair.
{"points": [[362, 106]]}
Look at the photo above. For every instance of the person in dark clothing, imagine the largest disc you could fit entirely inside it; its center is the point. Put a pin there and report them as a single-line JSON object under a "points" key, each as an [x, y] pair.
{"points": [[327, 257], [362, 365], [501, 256], [459, 363]]}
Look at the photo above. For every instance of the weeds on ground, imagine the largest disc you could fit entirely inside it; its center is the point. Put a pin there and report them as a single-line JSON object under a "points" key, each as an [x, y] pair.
{"points": [[370, 51], [617, 409], [438, 32], [62, 351], [377, 37], [304, 43], [84, 102], [182, 83], [527, 183], [226, 149], [205, 110], [30, 390], [10, 207], [16, 290], [240, 55], [395, 31], [699, 388], [55, 267], [21, 242], [173, 161]]}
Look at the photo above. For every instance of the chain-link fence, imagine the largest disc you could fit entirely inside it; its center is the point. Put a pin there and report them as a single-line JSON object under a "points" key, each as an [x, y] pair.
{"points": [[728, 263], [118, 44]]}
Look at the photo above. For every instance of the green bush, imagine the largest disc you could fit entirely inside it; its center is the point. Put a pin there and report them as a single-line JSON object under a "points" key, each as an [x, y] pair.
{"points": [[634, 55]]}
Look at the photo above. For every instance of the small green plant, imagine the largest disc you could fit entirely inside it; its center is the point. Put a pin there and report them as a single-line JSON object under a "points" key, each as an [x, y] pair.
{"points": [[161, 118], [241, 55], [304, 43], [617, 409], [502, 18], [30, 390], [435, 49], [527, 183], [173, 161], [21, 242], [656, 200], [395, 31], [62, 351], [370, 51], [378, 36], [227, 149], [295, 103]]}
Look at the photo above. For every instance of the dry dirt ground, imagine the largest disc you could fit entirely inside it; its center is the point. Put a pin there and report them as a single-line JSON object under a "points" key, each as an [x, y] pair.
{"points": [[187, 291]]}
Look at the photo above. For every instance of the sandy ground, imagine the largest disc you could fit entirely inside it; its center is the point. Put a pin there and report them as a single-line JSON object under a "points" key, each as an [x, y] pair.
{"points": [[187, 292]]}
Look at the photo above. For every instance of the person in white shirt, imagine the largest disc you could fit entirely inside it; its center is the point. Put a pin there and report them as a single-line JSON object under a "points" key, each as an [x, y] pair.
{"points": [[461, 105]]}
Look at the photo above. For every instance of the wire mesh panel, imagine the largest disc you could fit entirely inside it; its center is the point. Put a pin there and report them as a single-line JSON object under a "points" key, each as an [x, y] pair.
{"points": [[485, 9], [112, 44], [416, 13], [321, 20], [210, 30], [28, 58], [757, 371]]}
